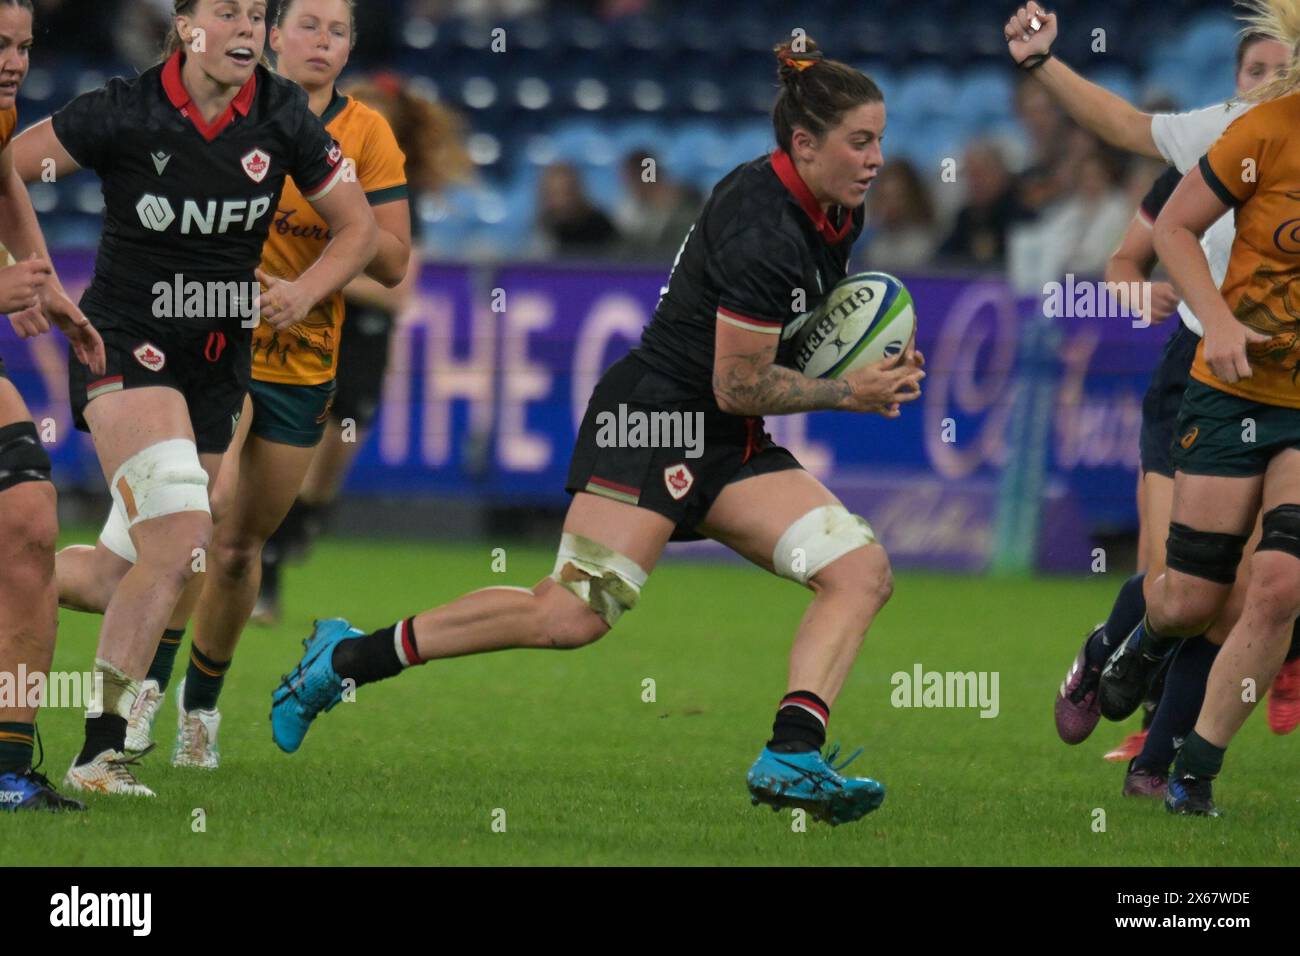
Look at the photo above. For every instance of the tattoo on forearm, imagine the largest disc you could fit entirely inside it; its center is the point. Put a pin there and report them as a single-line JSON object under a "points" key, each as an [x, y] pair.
{"points": [[749, 381]]}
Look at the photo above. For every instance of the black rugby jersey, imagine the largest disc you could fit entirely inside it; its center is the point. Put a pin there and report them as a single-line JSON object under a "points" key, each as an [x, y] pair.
{"points": [[761, 237], [185, 198]]}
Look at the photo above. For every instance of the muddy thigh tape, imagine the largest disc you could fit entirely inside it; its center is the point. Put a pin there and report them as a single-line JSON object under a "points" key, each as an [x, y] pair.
{"points": [[607, 581]]}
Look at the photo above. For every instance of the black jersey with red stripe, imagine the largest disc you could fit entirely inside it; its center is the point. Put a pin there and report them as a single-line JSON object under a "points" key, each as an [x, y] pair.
{"points": [[761, 254], [183, 197]]}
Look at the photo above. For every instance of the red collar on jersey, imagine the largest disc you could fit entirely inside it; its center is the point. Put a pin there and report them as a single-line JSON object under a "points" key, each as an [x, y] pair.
{"points": [[181, 99], [783, 166]]}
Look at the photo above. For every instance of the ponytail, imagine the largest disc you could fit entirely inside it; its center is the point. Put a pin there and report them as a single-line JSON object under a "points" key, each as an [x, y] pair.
{"points": [[816, 92]]}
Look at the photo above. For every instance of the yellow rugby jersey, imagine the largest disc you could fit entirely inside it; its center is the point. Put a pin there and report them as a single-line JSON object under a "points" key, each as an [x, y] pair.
{"points": [[8, 123], [1255, 168], [305, 354]]}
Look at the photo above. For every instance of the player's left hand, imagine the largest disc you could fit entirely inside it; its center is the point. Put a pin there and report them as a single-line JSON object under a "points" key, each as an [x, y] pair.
{"points": [[86, 344], [283, 303], [1164, 301]]}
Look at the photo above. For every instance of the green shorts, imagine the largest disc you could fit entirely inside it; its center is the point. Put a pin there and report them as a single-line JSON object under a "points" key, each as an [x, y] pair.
{"points": [[291, 414], [1230, 437]]}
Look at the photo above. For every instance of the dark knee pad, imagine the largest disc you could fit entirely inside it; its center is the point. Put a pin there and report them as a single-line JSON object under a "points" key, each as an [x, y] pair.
{"points": [[1204, 554], [22, 456], [1282, 530]]}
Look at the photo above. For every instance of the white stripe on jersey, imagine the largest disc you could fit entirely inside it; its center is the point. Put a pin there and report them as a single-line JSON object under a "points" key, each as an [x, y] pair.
{"points": [[327, 185]]}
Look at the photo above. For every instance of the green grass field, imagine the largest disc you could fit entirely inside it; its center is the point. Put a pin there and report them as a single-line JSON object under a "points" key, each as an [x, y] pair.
{"points": [[589, 773]]}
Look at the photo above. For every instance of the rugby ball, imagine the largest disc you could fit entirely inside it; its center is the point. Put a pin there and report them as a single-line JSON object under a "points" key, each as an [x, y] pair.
{"points": [[865, 318]]}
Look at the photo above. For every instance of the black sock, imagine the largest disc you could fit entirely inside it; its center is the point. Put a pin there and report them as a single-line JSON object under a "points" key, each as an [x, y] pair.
{"points": [[313, 517], [1151, 703], [105, 732], [289, 535], [1180, 704], [1125, 614], [1199, 757], [164, 659], [203, 680], [1153, 644], [1150, 707], [1294, 651], [377, 655], [270, 587], [800, 723], [16, 745]]}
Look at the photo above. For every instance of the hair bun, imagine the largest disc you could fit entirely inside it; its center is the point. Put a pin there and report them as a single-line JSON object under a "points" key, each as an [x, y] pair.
{"points": [[791, 62]]}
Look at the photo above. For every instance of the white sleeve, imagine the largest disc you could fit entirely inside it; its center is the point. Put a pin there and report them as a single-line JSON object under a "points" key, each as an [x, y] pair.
{"points": [[1183, 138]]}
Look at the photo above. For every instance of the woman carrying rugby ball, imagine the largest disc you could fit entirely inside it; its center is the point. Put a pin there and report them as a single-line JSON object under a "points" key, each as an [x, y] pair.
{"points": [[775, 227]]}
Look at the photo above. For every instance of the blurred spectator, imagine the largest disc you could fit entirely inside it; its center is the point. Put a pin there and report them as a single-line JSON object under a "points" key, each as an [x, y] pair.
{"points": [[1046, 175], [140, 29], [990, 207], [569, 223], [900, 221], [655, 213], [1079, 234]]}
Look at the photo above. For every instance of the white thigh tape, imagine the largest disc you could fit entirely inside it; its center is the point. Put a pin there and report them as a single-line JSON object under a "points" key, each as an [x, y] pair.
{"points": [[818, 538]]}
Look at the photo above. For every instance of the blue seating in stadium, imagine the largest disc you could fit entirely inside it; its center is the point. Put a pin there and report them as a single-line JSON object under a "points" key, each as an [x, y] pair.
{"points": [[696, 88], [927, 91], [984, 94], [1209, 37]]}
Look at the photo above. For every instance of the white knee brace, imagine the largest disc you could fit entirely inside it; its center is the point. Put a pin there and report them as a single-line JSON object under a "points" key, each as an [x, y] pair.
{"points": [[116, 536], [164, 479], [817, 539]]}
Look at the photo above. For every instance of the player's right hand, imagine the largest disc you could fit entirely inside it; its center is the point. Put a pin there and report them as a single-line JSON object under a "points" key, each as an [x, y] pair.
{"points": [[20, 288], [1022, 40], [1225, 349], [884, 386]]}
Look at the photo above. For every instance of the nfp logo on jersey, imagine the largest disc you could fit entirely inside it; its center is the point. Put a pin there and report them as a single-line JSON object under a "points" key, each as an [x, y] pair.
{"points": [[156, 213]]}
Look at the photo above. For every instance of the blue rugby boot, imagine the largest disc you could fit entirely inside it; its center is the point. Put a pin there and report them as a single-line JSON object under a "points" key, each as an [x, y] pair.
{"points": [[26, 789], [1191, 796], [310, 687], [810, 782]]}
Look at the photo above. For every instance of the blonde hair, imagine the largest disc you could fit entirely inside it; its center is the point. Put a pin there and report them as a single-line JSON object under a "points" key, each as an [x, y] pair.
{"points": [[1279, 20], [431, 135]]}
